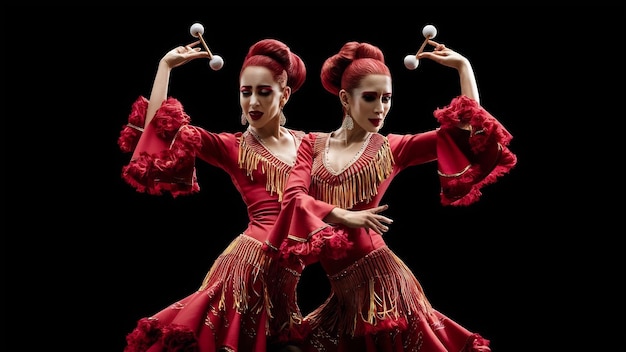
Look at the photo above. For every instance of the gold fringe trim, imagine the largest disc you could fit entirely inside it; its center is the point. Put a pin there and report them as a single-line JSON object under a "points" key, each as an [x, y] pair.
{"points": [[238, 266], [286, 311], [251, 153], [360, 181], [378, 286]]}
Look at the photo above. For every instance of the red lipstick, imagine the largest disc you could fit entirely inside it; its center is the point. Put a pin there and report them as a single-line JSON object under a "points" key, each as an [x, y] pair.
{"points": [[255, 115]]}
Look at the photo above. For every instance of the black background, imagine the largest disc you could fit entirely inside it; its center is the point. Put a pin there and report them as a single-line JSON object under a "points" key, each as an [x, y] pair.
{"points": [[536, 265]]}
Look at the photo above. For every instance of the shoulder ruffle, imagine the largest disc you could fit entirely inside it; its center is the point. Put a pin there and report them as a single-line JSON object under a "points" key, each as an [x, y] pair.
{"points": [[129, 136], [171, 169], [464, 172]]}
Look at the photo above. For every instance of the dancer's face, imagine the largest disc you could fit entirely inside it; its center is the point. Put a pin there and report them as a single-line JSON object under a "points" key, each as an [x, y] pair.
{"points": [[260, 96], [370, 102]]}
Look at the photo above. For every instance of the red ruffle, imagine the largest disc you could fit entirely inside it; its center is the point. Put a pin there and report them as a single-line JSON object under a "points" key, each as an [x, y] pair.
{"points": [[465, 190], [175, 338], [173, 169], [129, 136], [486, 133], [486, 130], [169, 118], [147, 332], [332, 241], [477, 343]]}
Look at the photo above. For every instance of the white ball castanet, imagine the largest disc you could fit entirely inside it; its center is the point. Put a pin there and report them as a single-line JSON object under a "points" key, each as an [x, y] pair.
{"points": [[411, 62]]}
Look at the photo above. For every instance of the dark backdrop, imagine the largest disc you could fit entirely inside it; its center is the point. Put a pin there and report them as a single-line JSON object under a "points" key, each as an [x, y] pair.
{"points": [[536, 265]]}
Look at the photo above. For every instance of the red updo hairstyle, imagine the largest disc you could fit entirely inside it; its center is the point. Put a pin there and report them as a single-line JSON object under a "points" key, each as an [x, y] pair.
{"points": [[346, 69], [278, 58]]}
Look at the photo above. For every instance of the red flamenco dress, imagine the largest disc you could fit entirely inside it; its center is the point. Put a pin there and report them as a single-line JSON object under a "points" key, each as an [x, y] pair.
{"points": [[376, 302], [233, 308]]}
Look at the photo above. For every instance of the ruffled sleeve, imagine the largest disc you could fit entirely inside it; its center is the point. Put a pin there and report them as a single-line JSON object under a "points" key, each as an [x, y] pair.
{"points": [[129, 136], [299, 229], [469, 160], [164, 155]]}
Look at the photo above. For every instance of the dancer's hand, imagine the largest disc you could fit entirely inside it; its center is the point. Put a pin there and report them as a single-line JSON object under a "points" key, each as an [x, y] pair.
{"points": [[368, 218], [444, 56], [183, 54]]}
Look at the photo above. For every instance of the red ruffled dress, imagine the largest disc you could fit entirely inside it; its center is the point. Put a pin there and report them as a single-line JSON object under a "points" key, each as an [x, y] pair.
{"points": [[376, 302], [233, 308]]}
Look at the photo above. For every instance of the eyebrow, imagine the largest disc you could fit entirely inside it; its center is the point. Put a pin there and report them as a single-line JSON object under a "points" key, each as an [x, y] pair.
{"points": [[374, 92], [260, 86]]}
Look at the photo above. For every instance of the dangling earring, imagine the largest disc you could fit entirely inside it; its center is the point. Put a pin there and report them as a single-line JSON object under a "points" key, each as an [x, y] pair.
{"points": [[282, 119], [347, 123], [243, 119]]}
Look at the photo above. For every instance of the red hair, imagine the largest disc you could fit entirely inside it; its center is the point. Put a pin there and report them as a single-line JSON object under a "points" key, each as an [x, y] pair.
{"points": [[350, 65], [286, 67]]}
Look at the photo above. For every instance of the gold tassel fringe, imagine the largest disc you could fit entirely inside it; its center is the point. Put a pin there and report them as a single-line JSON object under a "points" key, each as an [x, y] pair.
{"points": [[379, 286], [237, 267], [359, 183], [251, 154]]}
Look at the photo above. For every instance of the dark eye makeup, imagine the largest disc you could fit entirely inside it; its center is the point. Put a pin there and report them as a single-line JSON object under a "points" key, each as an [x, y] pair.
{"points": [[262, 91]]}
